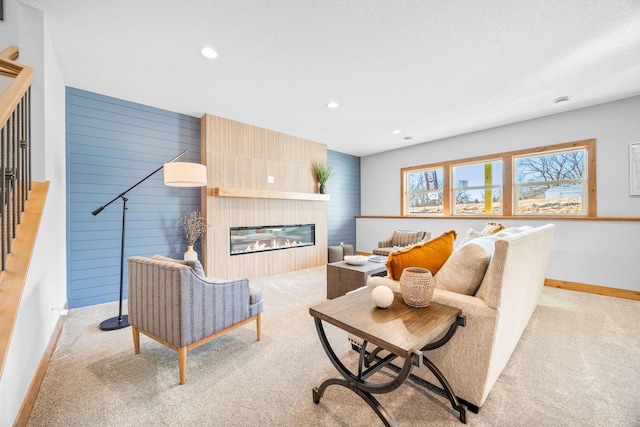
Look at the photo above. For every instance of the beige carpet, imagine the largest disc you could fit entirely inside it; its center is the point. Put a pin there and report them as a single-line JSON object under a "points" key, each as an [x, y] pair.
{"points": [[577, 364]]}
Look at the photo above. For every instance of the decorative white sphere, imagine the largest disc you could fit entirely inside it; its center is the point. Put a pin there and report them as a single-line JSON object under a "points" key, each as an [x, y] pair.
{"points": [[382, 296]]}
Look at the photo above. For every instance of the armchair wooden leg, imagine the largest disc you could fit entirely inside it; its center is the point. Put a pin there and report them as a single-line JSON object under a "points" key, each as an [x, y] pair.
{"points": [[136, 339], [259, 325], [182, 362]]}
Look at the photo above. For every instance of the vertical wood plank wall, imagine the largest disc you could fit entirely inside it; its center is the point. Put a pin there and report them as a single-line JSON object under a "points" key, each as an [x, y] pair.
{"points": [[111, 145], [239, 155]]}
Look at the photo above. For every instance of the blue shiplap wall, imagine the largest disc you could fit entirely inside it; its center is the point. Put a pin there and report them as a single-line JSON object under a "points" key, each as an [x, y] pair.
{"points": [[344, 206], [111, 145]]}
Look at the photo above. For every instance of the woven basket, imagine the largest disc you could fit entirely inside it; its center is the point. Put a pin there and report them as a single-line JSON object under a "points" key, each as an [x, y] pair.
{"points": [[417, 286]]}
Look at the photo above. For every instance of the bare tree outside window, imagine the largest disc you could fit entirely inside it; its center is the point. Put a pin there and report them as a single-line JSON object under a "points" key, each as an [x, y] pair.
{"points": [[549, 169], [425, 191], [551, 184]]}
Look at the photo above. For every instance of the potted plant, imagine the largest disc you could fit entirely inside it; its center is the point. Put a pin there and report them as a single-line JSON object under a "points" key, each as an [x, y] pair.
{"points": [[323, 172], [194, 226]]}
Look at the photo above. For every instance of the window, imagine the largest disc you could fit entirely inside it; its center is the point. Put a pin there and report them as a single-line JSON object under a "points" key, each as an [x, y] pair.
{"points": [[477, 188], [550, 183], [553, 180], [425, 191]]}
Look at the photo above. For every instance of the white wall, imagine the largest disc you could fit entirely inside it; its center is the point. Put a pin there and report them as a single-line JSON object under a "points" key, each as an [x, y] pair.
{"points": [[45, 289], [600, 253], [9, 27]]}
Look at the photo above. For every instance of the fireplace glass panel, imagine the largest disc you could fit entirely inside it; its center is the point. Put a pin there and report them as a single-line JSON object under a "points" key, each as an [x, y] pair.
{"points": [[245, 240]]}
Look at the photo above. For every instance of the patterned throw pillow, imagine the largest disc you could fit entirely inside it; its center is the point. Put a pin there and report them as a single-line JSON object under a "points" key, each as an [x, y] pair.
{"points": [[431, 255], [492, 228], [489, 229]]}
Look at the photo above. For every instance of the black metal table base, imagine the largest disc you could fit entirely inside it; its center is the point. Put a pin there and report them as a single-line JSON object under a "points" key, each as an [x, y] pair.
{"points": [[369, 363]]}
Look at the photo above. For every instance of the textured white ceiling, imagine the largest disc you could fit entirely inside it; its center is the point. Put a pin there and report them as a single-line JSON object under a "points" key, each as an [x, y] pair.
{"points": [[431, 68]]}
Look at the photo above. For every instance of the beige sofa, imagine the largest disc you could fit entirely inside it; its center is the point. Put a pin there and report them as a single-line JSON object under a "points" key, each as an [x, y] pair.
{"points": [[496, 314]]}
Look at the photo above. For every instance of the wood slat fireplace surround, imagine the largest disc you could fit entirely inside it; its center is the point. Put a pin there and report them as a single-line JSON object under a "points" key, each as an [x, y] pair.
{"points": [[239, 159]]}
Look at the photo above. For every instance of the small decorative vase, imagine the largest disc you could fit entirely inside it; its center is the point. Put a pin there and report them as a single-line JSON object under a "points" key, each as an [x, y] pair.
{"points": [[417, 286], [323, 189], [190, 255]]}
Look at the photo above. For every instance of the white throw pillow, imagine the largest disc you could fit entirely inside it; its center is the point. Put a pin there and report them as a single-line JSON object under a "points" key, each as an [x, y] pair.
{"points": [[464, 270], [471, 234]]}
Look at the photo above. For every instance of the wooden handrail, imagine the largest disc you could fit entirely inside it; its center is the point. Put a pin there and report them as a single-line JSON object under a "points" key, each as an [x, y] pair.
{"points": [[24, 75], [12, 53]]}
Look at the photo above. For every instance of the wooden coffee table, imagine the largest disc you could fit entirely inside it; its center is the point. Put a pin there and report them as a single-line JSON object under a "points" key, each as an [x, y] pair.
{"points": [[343, 277], [403, 331]]}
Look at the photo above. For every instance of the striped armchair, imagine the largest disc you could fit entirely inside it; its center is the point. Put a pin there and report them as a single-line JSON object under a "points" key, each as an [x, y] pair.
{"points": [[400, 239], [172, 304]]}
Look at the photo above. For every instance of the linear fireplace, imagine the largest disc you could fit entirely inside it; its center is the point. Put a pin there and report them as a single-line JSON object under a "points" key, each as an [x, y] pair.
{"points": [[245, 240]]}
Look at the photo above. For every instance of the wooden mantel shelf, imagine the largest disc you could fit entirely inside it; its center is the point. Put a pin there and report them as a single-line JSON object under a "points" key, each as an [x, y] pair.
{"points": [[264, 194]]}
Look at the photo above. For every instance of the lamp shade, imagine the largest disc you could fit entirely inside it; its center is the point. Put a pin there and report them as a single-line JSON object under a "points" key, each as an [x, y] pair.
{"points": [[185, 174]]}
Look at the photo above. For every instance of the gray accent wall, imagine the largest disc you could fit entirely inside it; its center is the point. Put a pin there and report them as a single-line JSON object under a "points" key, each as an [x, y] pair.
{"points": [[344, 206], [111, 144]]}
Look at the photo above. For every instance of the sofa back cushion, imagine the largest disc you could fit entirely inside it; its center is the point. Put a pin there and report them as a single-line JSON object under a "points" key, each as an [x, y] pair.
{"points": [[404, 238], [464, 270], [195, 265], [431, 255]]}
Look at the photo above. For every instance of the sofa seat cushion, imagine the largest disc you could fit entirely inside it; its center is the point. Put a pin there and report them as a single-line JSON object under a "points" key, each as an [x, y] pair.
{"points": [[431, 255], [464, 270]]}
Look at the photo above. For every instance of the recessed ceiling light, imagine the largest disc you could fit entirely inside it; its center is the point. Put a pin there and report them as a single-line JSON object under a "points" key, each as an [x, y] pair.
{"points": [[407, 138], [397, 131], [561, 99], [208, 52], [332, 104]]}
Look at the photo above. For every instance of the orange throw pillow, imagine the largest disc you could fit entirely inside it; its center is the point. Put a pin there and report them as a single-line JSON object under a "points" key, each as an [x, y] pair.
{"points": [[431, 255]]}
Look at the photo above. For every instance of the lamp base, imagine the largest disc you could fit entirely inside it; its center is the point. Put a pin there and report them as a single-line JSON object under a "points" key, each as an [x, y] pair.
{"points": [[115, 323]]}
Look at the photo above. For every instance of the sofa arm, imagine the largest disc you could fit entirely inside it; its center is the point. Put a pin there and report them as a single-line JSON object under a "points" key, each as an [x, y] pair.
{"points": [[256, 306], [385, 243], [213, 305], [469, 304]]}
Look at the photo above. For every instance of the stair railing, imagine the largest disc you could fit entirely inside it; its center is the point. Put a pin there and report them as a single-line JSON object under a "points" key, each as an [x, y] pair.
{"points": [[15, 147]]}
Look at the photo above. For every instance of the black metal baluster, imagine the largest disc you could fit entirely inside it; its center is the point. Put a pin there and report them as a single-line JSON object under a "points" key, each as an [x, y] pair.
{"points": [[12, 174], [28, 139], [15, 172], [18, 164]]}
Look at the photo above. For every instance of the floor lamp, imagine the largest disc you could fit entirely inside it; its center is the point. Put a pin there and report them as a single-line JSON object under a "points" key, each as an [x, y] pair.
{"points": [[179, 174]]}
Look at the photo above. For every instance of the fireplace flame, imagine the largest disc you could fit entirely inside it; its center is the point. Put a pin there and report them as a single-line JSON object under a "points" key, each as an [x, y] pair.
{"points": [[274, 238]]}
